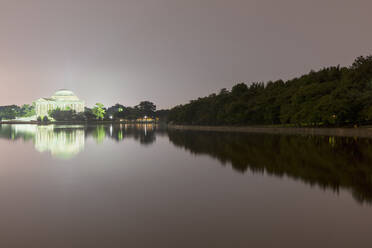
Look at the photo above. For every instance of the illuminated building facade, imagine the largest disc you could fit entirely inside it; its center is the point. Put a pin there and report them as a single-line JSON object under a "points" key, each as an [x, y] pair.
{"points": [[62, 99]]}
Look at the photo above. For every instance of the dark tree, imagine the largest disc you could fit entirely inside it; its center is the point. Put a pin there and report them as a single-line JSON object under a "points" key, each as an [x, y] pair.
{"points": [[146, 108]]}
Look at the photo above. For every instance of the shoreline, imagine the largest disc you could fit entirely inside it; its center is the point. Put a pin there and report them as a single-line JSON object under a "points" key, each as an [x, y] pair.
{"points": [[363, 132], [72, 122]]}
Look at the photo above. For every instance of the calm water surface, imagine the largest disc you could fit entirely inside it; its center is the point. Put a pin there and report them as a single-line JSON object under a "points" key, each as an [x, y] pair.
{"points": [[143, 186]]}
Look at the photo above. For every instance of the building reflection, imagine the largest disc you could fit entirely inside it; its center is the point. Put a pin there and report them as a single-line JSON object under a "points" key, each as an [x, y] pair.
{"points": [[61, 143], [67, 141]]}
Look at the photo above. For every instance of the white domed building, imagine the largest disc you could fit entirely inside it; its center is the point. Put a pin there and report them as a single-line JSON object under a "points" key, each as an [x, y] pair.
{"points": [[62, 99]]}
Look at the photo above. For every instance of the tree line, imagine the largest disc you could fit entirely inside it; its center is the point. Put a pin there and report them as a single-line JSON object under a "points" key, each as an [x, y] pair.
{"points": [[331, 96], [100, 112], [11, 112]]}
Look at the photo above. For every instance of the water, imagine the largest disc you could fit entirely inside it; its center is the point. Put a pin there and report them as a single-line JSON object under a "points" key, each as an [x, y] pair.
{"points": [[144, 186]]}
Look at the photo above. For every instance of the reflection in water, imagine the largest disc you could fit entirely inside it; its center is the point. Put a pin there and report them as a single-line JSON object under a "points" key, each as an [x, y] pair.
{"points": [[61, 142], [143, 133], [67, 141], [329, 162]]}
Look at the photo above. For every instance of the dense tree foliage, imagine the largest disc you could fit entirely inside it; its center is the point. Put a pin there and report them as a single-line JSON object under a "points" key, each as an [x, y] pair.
{"points": [[67, 115], [99, 111], [11, 112], [27, 110], [144, 108], [331, 96]]}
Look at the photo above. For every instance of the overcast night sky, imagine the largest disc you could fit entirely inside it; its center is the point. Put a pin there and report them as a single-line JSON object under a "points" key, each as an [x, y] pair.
{"points": [[170, 51]]}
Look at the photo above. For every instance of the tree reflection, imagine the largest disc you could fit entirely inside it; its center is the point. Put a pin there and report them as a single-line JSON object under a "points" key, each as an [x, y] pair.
{"points": [[99, 134], [143, 133], [329, 162]]}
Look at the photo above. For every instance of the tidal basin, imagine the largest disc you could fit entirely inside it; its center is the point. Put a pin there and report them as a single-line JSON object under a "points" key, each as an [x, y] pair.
{"points": [[146, 186]]}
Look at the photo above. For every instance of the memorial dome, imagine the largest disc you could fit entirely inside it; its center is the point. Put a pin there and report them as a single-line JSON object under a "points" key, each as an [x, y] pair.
{"points": [[65, 95], [64, 92]]}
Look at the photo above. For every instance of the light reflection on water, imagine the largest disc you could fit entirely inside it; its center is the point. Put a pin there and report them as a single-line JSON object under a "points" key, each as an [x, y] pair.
{"points": [[329, 162], [66, 141], [145, 186]]}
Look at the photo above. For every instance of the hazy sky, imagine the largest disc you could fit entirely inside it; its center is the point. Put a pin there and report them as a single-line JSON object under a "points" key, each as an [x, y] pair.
{"points": [[170, 51]]}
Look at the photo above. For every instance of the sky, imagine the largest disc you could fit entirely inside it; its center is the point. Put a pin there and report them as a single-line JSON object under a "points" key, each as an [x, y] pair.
{"points": [[170, 51]]}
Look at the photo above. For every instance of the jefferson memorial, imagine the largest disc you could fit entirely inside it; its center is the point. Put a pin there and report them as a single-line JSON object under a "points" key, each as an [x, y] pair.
{"points": [[62, 99]]}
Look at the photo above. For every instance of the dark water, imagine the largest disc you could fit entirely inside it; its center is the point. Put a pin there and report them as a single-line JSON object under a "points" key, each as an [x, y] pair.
{"points": [[144, 186]]}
